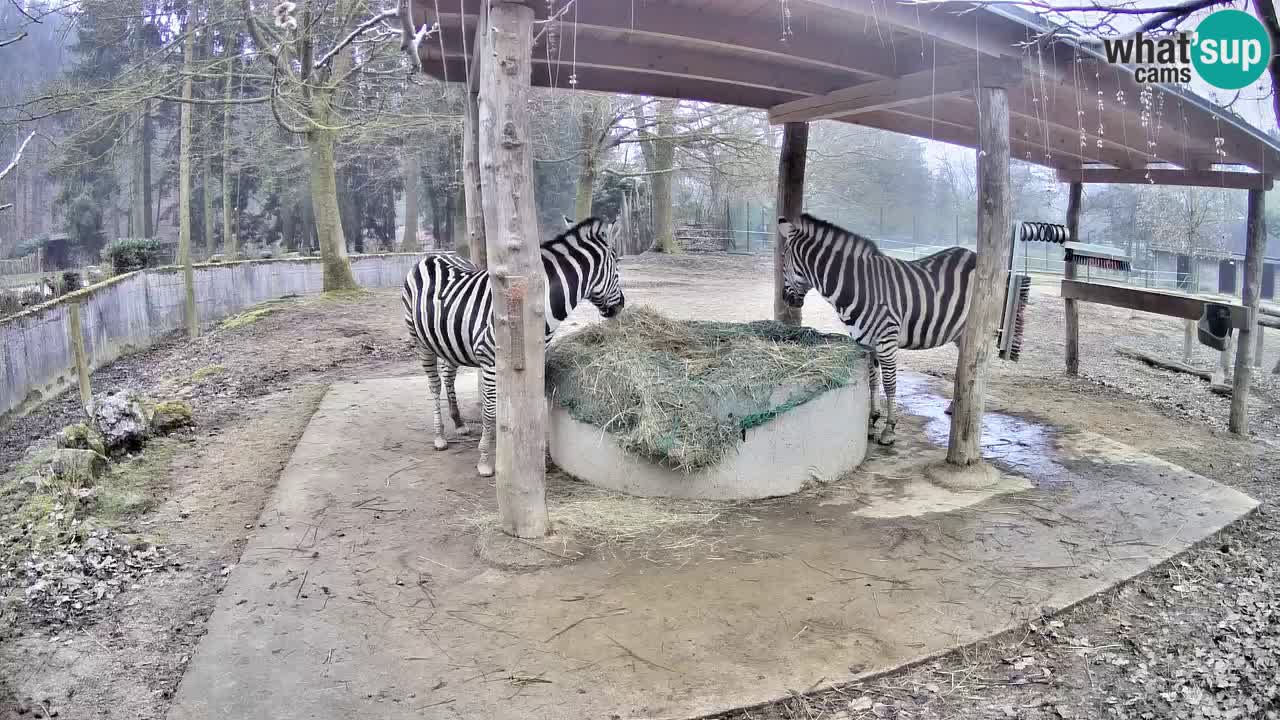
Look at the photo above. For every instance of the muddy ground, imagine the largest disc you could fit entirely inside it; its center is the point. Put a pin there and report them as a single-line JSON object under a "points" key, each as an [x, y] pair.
{"points": [[1196, 638]]}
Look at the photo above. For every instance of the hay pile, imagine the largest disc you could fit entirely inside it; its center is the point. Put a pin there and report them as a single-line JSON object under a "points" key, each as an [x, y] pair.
{"points": [[682, 393]]}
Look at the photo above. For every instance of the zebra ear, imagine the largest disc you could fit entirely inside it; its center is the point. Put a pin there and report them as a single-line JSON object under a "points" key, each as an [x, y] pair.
{"points": [[567, 222], [613, 231], [785, 227]]}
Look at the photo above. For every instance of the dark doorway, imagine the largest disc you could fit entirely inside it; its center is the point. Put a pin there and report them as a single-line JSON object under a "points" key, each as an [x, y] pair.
{"points": [[1226, 277], [1184, 272], [1269, 281]]}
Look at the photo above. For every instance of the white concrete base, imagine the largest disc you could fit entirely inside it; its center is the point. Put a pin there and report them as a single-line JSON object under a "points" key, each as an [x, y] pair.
{"points": [[819, 440]]}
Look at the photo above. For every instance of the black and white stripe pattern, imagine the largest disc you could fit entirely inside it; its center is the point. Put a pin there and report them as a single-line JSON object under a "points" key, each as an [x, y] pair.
{"points": [[888, 304], [449, 310]]}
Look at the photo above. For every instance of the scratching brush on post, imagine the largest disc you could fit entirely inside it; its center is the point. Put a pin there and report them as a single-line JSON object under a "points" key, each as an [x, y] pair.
{"points": [[1102, 257], [1015, 311]]}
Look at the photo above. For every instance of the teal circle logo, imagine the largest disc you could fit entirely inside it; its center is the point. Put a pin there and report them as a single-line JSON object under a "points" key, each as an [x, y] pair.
{"points": [[1232, 49]]}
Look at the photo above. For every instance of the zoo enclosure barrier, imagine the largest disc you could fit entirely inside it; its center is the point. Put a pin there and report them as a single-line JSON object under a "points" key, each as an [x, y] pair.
{"points": [[39, 348]]}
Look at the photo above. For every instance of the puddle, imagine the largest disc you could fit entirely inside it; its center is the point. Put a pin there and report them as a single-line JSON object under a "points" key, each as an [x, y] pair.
{"points": [[1010, 443]]}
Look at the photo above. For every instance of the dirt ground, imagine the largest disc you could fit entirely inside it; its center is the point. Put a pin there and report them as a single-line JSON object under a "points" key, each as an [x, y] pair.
{"points": [[1196, 638]]}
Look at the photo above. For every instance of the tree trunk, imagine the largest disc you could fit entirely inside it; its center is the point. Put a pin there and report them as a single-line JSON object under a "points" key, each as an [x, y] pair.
{"points": [[587, 173], [148, 222], [458, 222], [206, 189], [184, 186], [448, 242], [229, 245], [471, 179], [790, 201], [1256, 239], [511, 228], [433, 200], [664, 152], [324, 207], [989, 281], [412, 170]]}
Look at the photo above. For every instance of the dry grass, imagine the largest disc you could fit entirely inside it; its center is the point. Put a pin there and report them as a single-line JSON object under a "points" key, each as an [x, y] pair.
{"points": [[682, 393], [660, 529]]}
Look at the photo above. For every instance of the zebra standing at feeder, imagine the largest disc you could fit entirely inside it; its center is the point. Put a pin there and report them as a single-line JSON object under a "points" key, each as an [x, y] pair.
{"points": [[448, 307], [888, 304]]}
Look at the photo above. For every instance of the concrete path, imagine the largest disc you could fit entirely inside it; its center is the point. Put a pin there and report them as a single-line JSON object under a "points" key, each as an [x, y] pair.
{"points": [[361, 594]]}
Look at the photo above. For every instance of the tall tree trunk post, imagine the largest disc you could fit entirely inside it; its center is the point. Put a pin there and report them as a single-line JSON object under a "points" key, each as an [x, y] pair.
{"points": [[1251, 295], [321, 144], [229, 245], [458, 221], [664, 153], [1188, 340], [986, 288], [184, 185], [1074, 201], [206, 190], [148, 218], [518, 285], [588, 133], [790, 202], [474, 193], [412, 170]]}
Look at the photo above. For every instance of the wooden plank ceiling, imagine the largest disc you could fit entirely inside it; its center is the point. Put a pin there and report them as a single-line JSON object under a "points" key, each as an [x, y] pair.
{"points": [[905, 68]]}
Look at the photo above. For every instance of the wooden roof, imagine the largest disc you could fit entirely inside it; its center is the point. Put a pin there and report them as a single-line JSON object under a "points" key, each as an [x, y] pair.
{"points": [[906, 68]]}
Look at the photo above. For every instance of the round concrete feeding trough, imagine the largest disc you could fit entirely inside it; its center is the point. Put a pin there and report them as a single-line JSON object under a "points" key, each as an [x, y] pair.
{"points": [[623, 403]]}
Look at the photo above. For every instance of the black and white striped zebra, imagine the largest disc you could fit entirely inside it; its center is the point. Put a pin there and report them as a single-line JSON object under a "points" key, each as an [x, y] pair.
{"points": [[449, 310], [888, 304]]}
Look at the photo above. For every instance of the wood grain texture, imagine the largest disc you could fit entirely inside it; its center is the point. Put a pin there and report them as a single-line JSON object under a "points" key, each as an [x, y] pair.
{"points": [[977, 342], [515, 265], [790, 202], [1074, 202], [1256, 232]]}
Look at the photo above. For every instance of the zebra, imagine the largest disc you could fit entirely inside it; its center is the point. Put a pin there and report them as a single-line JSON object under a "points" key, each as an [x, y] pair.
{"points": [[448, 308], [888, 304]]}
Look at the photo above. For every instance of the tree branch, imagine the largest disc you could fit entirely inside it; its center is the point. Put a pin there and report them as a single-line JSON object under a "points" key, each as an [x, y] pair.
{"points": [[360, 30], [21, 34], [17, 156]]}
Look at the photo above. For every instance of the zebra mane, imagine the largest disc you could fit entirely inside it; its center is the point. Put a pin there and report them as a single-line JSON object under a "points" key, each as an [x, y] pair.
{"points": [[813, 227], [578, 230]]}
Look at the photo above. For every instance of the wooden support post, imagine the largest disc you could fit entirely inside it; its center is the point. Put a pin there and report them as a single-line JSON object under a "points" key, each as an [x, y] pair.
{"points": [[987, 287], [184, 190], [473, 193], [791, 161], [472, 190], [75, 333], [1257, 240], [1188, 339], [1258, 348], [1074, 200], [515, 268]]}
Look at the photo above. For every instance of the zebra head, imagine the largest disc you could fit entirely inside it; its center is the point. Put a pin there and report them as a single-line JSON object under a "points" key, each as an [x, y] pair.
{"points": [[795, 284], [597, 263]]}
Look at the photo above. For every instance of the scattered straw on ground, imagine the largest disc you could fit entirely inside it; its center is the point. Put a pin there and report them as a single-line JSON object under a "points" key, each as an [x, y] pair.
{"points": [[682, 393], [662, 529]]}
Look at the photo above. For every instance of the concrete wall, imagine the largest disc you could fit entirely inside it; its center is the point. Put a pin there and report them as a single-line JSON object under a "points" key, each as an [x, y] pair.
{"points": [[131, 311]]}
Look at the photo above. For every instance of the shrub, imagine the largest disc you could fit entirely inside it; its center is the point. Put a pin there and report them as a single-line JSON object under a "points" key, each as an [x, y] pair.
{"points": [[129, 254], [70, 282]]}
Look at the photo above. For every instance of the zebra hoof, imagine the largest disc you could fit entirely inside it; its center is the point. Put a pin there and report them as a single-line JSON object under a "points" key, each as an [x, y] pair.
{"points": [[464, 429], [886, 438], [441, 444], [484, 470]]}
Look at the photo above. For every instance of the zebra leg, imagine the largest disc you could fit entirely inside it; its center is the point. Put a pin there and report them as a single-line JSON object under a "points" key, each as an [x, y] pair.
{"points": [[951, 405], [449, 373], [888, 357], [488, 399], [874, 372], [429, 364]]}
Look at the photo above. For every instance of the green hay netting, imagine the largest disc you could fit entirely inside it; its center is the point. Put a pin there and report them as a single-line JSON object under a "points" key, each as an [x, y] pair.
{"points": [[683, 393]]}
